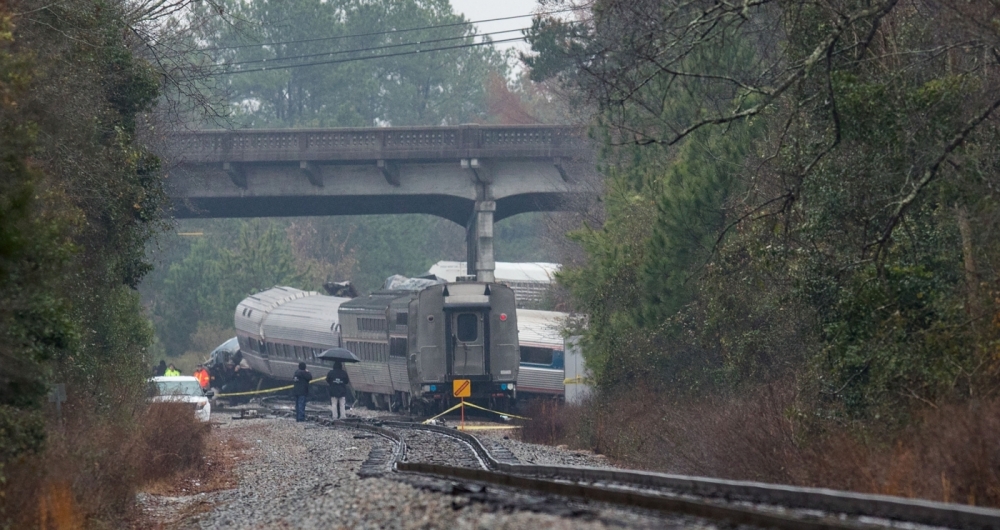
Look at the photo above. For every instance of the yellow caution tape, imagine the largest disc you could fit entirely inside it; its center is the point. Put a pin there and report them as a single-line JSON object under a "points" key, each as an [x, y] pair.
{"points": [[268, 391], [473, 405], [443, 413]]}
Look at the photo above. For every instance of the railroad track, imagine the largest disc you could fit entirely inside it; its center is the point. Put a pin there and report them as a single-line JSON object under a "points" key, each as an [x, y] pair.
{"points": [[420, 449]]}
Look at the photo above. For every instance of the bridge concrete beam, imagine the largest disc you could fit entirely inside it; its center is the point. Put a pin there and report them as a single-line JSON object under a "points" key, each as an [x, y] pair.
{"points": [[472, 175], [517, 185], [312, 173]]}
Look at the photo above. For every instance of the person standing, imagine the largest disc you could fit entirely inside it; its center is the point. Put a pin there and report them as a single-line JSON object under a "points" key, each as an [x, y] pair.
{"points": [[160, 369], [337, 380], [171, 371], [300, 390], [201, 374]]}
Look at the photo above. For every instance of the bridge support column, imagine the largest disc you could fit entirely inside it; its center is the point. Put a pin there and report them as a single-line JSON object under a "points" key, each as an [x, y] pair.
{"points": [[479, 241]]}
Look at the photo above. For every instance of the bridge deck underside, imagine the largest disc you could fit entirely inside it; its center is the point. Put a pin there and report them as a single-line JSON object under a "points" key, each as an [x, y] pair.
{"points": [[443, 189], [449, 207]]}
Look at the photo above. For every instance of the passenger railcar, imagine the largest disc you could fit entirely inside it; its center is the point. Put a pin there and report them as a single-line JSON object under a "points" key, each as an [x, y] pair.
{"points": [[280, 327], [542, 369], [412, 344]]}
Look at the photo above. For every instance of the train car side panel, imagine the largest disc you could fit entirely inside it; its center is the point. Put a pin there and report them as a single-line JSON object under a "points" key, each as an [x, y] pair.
{"points": [[503, 335], [430, 361]]}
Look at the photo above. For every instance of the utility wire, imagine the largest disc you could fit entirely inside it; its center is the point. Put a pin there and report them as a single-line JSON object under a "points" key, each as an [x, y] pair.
{"points": [[388, 32], [368, 58], [387, 46]]}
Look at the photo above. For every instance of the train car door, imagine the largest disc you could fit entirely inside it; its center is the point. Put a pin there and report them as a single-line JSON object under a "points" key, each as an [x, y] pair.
{"points": [[467, 342]]}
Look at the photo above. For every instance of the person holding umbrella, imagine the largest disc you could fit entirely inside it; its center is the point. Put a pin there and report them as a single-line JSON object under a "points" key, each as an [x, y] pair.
{"points": [[337, 380]]}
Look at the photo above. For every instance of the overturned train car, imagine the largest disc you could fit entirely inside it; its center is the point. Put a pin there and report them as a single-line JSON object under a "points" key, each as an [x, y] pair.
{"points": [[412, 344]]}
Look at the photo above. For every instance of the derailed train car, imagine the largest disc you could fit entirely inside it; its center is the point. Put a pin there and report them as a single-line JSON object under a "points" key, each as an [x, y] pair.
{"points": [[282, 326], [412, 344]]}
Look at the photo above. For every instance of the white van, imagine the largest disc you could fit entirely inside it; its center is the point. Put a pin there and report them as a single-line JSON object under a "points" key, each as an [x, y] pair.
{"points": [[182, 389]]}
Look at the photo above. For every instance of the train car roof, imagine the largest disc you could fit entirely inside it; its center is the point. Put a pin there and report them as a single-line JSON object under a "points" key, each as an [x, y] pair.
{"points": [[252, 310], [504, 271], [540, 329], [376, 300], [310, 319], [275, 312]]}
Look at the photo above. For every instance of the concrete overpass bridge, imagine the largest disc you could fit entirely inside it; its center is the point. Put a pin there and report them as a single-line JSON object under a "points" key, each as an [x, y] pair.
{"points": [[472, 175]]}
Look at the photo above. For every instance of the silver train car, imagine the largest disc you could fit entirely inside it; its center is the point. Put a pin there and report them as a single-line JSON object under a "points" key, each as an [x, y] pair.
{"points": [[282, 326], [412, 344], [542, 371]]}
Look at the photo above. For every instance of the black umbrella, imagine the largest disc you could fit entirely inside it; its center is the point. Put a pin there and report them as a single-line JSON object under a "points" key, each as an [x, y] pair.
{"points": [[339, 354]]}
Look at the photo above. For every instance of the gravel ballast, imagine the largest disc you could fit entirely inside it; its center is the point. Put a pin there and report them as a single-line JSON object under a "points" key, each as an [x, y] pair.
{"points": [[303, 475]]}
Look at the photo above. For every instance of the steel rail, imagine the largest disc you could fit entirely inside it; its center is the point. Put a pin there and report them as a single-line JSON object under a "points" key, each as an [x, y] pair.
{"points": [[552, 479], [827, 500], [849, 503], [512, 479], [732, 514]]}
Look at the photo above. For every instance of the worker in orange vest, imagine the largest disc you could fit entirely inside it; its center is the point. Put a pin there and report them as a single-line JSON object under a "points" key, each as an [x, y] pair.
{"points": [[201, 374]]}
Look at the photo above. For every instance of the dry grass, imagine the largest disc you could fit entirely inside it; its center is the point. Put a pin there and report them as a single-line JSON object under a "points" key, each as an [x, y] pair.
{"points": [[92, 466], [215, 472], [171, 440], [551, 422], [950, 454]]}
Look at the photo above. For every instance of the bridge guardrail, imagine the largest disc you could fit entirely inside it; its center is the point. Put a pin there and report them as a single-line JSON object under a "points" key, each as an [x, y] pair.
{"points": [[389, 143]]}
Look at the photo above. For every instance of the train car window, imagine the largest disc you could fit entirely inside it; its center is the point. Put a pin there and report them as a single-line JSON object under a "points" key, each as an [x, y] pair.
{"points": [[468, 327], [397, 347], [536, 355], [371, 324], [288, 351], [402, 319]]}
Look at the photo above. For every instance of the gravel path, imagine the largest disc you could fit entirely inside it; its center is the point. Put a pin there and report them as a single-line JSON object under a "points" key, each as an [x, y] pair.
{"points": [[301, 475]]}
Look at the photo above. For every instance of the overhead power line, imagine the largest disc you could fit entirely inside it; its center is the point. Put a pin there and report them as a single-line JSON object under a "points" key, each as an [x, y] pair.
{"points": [[366, 58], [387, 46], [389, 32]]}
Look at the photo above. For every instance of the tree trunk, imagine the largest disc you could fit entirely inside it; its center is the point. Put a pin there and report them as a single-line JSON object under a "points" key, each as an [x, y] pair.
{"points": [[971, 281]]}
